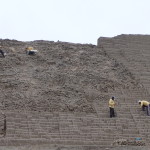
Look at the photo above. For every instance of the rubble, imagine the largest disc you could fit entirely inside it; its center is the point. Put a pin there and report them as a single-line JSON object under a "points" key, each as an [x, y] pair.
{"points": [[61, 77]]}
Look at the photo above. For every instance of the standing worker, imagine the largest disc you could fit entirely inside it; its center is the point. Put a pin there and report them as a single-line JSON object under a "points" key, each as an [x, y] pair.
{"points": [[145, 104], [111, 107]]}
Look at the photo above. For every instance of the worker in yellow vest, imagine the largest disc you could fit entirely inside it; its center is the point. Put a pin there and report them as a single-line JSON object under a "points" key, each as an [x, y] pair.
{"points": [[31, 51], [111, 107], [145, 105]]}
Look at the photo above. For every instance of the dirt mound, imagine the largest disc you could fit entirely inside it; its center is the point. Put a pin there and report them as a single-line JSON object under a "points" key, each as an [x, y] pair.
{"points": [[61, 77]]}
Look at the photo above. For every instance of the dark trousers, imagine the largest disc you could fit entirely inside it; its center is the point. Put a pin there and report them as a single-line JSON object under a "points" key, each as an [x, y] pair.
{"points": [[112, 112], [147, 109], [31, 53]]}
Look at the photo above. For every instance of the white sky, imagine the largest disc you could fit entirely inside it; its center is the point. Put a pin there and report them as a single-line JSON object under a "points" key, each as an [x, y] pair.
{"points": [[77, 21]]}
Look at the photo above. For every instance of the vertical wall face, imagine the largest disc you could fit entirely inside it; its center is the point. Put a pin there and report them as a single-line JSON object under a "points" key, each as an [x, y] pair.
{"points": [[98, 42], [103, 39]]}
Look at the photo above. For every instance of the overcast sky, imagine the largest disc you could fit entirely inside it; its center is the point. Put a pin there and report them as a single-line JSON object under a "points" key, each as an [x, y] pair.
{"points": [[77, 21]]}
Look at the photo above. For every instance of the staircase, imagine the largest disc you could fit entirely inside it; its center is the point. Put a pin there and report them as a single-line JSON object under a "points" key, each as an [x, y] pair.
{"points": [[133, 52], [79, 129]]}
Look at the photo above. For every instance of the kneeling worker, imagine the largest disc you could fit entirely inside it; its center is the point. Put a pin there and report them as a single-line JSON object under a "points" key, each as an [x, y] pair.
{"points": [[145, 104], [31, 51]]}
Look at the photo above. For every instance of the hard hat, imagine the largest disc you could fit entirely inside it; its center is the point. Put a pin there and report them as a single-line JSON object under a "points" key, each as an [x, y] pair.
{"points": [[30, 48]]}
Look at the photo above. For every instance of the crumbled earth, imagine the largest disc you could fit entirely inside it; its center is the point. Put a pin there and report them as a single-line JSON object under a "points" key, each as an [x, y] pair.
{"points": [[60, 77]]}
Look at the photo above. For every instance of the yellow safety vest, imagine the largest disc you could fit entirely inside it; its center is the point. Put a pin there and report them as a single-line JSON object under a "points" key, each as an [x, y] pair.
{"points": [[111, 103]]}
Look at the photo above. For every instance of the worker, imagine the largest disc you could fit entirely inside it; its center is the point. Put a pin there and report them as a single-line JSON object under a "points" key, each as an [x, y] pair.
{"points": [[111, 107], [145, 105], [2, 52], [31, 51]]}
